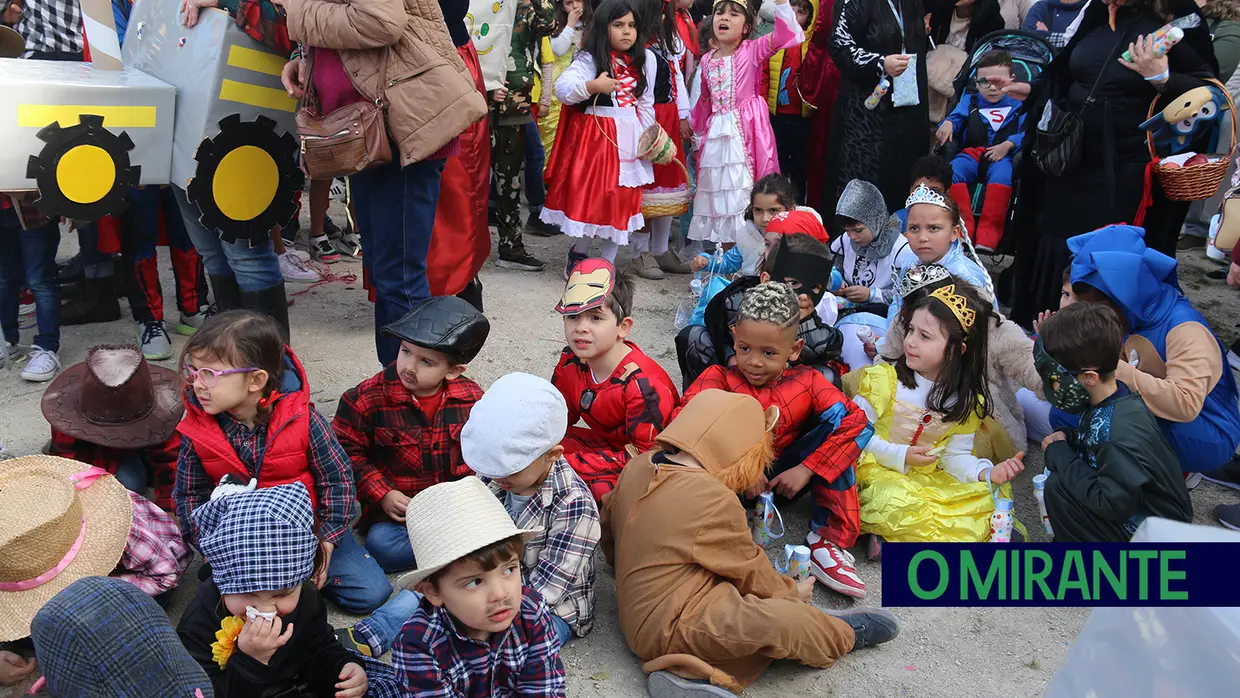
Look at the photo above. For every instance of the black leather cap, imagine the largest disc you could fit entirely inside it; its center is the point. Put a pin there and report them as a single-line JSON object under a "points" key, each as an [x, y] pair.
{"points": [[444, 323]]}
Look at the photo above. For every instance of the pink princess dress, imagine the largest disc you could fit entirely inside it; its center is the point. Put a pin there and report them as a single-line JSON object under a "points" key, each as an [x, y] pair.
{"points": [[739, 145]]}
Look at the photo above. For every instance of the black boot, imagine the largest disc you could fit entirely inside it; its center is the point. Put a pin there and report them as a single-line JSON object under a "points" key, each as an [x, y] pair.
{"points": [[472, 293], [96, 304], [226, 292], [271, 302]]}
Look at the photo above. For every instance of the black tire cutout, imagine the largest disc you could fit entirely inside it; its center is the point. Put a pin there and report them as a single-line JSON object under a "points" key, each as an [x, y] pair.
{"points": [[235, 133], [87, 134]]}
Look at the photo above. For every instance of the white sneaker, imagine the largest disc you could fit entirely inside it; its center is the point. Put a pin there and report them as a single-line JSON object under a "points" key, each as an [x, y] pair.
{"points": [[42, 367], [295, 270], [154, 340], [1192, 480], [1215, 253], [297, 252]]}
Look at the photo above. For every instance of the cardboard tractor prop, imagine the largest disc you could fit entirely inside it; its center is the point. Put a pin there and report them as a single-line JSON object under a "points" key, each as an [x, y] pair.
{"points": [[202, 109]]}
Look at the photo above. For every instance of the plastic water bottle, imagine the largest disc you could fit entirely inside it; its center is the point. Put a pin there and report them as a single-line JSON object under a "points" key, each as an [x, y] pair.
{"points": [[696, 284], [866, 335], [1039, 493], [880, 91], [762, 521], [1001, 521], [794, 562]]}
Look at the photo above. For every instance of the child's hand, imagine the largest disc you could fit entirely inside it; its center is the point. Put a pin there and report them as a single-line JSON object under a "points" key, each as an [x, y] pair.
{"points": [[321, 578], [870, 349], [944, 134], [1233, 275], [698, 263], [805, 589], [1041, 26], [260, 638], [574, 9], [14, 669], [499, 95], [895, 64], [1052, 438], [856, 294], [604, 84], [353, 682], [792, 481], [918, 455], [1042, 317], [189, 10], [757, 488], [1006, 471], [394, 504], [995, 153], [686, 130]]}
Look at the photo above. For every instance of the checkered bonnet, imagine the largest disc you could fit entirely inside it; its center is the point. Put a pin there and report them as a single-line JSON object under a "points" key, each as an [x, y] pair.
{"points": [[262, 540]]}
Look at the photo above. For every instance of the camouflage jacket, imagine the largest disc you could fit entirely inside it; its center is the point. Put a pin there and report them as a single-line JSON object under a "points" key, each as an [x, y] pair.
{"points": [[534, 20]]}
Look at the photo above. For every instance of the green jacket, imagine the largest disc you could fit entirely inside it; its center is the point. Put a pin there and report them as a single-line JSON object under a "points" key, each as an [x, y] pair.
{"points": [[534, 20], [1226, 35]]}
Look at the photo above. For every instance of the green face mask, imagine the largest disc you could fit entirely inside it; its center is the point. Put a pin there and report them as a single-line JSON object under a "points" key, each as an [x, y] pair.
{"points": [[1062, 388]]}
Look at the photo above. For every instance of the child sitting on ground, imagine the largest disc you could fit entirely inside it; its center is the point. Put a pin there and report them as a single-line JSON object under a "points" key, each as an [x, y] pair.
{"points": [[624, 396], [1116, 468], [248, 415], [992, 126], [512, 440], [919, 478], [118, 413], [865, 255], [401, 426], [477, 631], [819, 434], [696, 595], [256, 626]]}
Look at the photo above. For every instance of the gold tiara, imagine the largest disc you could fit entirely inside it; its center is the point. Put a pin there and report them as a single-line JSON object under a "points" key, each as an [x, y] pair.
{"points": [[957, 304]]}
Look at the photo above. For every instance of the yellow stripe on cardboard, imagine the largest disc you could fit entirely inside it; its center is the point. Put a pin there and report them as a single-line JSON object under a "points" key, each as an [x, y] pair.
{"points": [[257, 96], [258, 61], [40, 115]]}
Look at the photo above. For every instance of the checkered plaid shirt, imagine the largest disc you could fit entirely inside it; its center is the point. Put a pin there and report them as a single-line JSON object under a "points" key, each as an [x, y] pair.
{"points": [[433, 658], [162, 459], [155, 555], [263, 21], [390, 443], [51, 25], [328, 462], [559, 562]]}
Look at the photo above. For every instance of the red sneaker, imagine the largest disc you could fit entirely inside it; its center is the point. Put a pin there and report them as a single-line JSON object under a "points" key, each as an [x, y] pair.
{"points": [[834, 567]]}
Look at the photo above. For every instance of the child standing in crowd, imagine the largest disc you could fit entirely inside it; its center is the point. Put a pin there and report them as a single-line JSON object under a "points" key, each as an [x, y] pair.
{"points": [[595, 177], [118, 413], [696, 595], [790, 113], [29, 240], [624, 396], [511, 114], [669, 194], [477, 631], [401, 426], [919, 478], [1116, 468], [819, 433], [865, 254], [558, 52], [512, 440], [256, 627], [248, 415], [991, 125], [731, 118]]}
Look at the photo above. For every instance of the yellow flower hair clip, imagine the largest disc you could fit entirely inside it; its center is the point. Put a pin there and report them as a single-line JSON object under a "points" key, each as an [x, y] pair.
{"points": [[957, 304], [226, 640]]}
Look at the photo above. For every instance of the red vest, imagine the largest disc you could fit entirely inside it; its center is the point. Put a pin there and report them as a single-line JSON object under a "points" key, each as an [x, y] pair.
{"points": [[288, 441]]}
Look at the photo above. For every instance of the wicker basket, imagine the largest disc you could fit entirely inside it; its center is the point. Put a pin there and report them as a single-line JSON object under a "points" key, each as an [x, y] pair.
{"points": [[1195, 182]]}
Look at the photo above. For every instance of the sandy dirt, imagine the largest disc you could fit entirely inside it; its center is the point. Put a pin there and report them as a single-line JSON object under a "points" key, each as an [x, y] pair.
{"points": [[947, 652]]}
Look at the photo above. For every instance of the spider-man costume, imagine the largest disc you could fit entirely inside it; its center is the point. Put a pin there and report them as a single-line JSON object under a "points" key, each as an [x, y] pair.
{"points": [[819, 427], [631, 406]]}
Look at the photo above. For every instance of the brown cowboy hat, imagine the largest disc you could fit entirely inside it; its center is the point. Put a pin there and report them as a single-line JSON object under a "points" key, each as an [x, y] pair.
{"points": [[12, 44], [115, 399]]}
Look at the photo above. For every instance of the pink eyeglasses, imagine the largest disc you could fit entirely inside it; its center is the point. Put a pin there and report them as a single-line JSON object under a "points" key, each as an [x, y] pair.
{"points": [[210, 376]]}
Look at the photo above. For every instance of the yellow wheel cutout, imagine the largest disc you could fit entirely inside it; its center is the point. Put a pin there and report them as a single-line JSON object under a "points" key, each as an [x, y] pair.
{"points": [[85, 174], [245, 182]]}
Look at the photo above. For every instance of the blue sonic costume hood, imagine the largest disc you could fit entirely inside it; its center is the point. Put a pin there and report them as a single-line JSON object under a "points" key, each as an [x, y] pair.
{"points": [[1143, 284]]}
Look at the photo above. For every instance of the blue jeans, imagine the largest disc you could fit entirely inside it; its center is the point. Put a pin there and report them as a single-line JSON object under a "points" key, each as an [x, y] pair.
{"points": [[354, 580], [388, 543], [395, 209], [563, 631], [255, 268], [535, 160], [379, 631], [131, 472], [28, 258]]}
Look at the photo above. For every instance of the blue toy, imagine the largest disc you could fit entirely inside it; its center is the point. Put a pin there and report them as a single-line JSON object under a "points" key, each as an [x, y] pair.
{"points": [[1187, 118]]}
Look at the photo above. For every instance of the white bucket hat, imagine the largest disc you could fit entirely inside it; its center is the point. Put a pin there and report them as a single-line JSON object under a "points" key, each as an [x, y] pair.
{"points": [[450, 520]]}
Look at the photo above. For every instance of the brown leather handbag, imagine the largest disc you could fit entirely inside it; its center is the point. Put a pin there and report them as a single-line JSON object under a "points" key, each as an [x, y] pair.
{"points": [[348, 140]]}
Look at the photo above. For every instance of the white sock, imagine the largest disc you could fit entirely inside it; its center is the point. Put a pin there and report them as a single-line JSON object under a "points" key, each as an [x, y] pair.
{"points": [[608, 251], [582, 246], [660, 233], [639, 243]]}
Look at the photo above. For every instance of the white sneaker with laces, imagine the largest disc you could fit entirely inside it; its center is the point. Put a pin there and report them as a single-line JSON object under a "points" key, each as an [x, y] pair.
{"points": [[295, 270], [42, 367]]}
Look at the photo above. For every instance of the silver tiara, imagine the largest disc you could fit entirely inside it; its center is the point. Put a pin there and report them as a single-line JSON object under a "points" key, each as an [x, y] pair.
{"points": [[925, 195], [921, 276]]}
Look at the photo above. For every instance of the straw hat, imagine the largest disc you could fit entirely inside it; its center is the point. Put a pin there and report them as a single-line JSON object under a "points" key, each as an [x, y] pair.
{"points": [[450, 520], [47, 523], [115, 399], [12, 44]]}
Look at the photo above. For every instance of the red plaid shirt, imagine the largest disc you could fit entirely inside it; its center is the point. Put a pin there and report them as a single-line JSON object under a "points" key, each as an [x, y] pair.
{"points": [[390, 442], [162, 459], [155, 555]]}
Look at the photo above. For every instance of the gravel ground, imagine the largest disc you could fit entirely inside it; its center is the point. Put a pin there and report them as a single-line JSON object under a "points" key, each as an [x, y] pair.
{"points": [[940, 652]]}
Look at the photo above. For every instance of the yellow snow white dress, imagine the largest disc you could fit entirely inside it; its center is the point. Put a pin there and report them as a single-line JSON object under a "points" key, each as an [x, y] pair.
{"points": [[943, 502], [556, 53]]}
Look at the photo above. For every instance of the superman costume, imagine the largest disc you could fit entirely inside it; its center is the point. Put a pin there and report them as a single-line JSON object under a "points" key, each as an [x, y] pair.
{"points": [[631, 406]]}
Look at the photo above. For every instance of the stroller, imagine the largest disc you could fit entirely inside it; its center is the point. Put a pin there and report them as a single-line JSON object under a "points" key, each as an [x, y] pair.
{"points": [[1031, 54]]}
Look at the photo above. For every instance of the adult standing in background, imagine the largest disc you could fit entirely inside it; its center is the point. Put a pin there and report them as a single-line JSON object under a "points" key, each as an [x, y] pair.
{"points": [[963, 22], [398, 51]]}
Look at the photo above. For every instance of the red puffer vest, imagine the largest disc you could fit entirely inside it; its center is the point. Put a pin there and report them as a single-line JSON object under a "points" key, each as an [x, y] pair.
{"points": [[285, 459]]}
